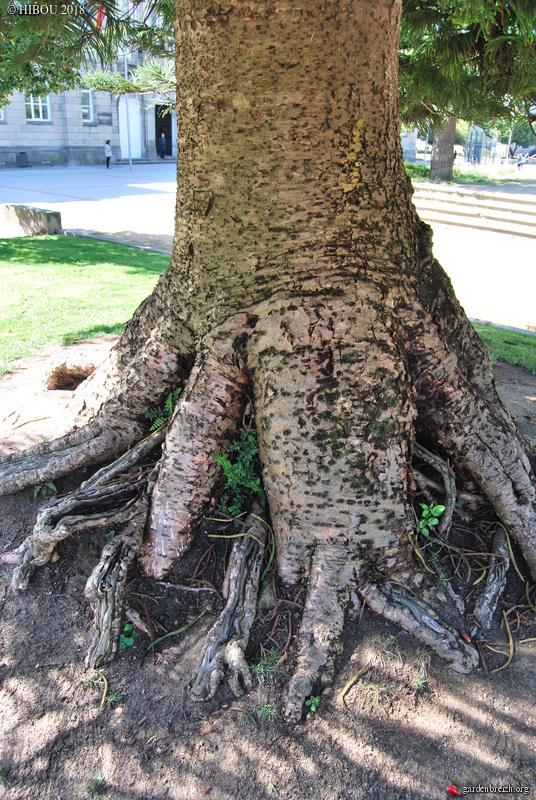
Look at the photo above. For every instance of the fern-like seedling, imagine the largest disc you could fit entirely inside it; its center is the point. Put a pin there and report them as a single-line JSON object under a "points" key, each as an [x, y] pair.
{"points": [[242, 474], [159, 415]]}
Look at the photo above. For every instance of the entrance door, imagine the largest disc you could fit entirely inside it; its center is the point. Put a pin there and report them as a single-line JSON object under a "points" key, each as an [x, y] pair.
{"points": [[162, 126]]}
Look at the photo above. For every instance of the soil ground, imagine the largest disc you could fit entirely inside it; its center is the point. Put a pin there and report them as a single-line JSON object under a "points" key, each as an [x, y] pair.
{"points": [[394, 735]]}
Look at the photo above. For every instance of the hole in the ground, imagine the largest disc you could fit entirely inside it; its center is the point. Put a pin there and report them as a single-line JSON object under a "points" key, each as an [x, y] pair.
{"points": [[68, 376]]}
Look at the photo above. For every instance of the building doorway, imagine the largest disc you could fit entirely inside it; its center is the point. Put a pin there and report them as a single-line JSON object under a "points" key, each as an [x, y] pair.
{"points": [[162, 123]]}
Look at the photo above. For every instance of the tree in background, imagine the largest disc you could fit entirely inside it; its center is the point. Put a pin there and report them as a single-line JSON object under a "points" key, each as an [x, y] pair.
{"points": [[517, 134], [303, 300], [474, 61]]}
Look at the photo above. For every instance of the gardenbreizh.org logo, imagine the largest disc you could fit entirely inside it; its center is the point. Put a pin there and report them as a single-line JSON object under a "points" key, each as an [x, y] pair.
{"points": [[455, 790]]}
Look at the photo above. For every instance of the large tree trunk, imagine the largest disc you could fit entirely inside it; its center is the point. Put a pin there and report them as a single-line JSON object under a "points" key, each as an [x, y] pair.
{"points": [[302, 279], [442, 166]]}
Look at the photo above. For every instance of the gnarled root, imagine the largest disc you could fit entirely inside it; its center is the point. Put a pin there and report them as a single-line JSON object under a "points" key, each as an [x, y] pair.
{"points": [[477, 432], [110, 498], [105, 588], [204, 425], [226, 642], [495, 582], [321, 626], [416, 617]]}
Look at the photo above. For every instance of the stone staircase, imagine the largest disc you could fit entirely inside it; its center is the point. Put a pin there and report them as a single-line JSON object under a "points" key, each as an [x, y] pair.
{"points": [[512, 212]]}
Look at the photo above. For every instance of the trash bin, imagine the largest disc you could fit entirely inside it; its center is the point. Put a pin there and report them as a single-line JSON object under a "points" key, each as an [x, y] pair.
{"points": [[22, 159]]}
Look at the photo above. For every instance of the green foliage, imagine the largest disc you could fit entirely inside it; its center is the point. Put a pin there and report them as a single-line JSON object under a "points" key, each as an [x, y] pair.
{"points": [[378, 694], [96, 786], [266, 712], [474, 60], [268, 664], [115, 697], [242, 476], [420, 681], [45, 489], [417, 171], [430, 517], [518, 134], [127, 637], [313, 702], [152, 77], [159, 415]]}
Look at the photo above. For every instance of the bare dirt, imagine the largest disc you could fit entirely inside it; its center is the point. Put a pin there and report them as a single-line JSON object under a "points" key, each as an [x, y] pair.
{"points": [[393, 736]]}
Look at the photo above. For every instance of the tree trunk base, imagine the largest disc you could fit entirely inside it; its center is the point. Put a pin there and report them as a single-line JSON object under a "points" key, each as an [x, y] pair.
{"points": [[340, 393]]}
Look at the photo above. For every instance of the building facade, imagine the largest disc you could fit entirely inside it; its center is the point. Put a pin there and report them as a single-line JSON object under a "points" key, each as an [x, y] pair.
{"points": [[72, 127]]}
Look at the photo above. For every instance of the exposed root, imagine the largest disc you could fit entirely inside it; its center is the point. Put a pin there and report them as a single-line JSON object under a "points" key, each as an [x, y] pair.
{"points": [[419, 619], [50, 460], [226, 642], [109, 499], [477, 432], [111, 413], [495, 582], [321, 626], [204, 424], [105, 588]]}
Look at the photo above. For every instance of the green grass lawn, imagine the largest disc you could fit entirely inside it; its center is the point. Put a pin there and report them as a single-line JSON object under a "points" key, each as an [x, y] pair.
{"points": [[56, 289], [511, 346], [420, 173]]}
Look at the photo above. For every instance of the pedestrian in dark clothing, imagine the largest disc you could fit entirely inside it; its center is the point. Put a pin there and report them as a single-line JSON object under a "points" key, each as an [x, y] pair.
{"points": [[162, 146]]}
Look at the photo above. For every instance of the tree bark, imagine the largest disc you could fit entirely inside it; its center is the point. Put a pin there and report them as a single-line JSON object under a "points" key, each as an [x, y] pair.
{"points": [[301, 281], [442, 166]]}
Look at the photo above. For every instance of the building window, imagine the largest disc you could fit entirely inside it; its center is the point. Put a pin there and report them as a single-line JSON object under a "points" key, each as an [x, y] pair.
{"points": [[87, 105], [37, 108], [2, 115]]}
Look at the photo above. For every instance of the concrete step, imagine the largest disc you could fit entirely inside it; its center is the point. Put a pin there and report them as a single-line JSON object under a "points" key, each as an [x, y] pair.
{"points": [[494, 211]]}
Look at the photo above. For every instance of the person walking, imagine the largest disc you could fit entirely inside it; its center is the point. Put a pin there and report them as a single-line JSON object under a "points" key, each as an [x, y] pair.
{"points": [[108, 153], [162, 146]]}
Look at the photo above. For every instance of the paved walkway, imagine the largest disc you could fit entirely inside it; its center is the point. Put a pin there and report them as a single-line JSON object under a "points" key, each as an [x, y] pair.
{"points": [[135, 206], [494, 274]]}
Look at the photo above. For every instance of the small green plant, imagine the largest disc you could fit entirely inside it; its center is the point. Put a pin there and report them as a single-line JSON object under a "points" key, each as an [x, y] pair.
{"points": [[376, 693], [159, 415], [313, 702], [266, 712], [272, 787], [96, 786], [3, 780], [45, 489], [393, 648], [429, 518], [420, 682], [115, 697], [109, 536], [126, 639], [268, 664], [242, 474]]}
